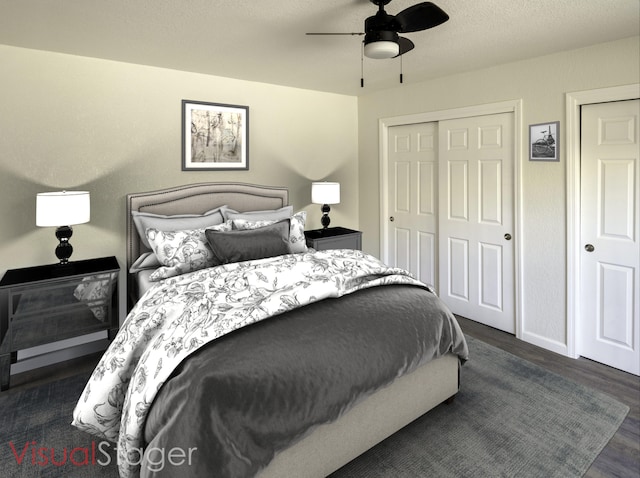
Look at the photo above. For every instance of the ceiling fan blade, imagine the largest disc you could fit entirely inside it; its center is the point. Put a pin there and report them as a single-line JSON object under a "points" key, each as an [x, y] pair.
{"points": [[324, 34], [421, 17], [406, 45]]}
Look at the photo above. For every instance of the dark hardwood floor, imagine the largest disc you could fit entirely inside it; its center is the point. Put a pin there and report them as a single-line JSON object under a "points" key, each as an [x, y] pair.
{"points": [[620, 458]]}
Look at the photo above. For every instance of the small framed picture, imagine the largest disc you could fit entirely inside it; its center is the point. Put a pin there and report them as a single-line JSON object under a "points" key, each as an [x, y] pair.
{"points": [[215, 136], [544, 142]]}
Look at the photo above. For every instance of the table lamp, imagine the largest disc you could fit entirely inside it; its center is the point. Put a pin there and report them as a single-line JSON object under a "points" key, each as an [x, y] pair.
{"points": [[325, 193], [63, 209]]}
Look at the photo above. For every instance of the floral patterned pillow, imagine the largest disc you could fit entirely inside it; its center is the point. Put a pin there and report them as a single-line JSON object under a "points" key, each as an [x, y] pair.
{"points": [[182, 251], [297, 241]]}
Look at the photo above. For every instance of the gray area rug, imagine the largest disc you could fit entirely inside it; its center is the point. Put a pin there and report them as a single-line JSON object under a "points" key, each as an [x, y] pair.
{"points": [[510, 419]]}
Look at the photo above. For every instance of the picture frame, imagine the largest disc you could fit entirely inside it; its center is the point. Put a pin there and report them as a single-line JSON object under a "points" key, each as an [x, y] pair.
{"points": [[215, 136], [544, 141]]}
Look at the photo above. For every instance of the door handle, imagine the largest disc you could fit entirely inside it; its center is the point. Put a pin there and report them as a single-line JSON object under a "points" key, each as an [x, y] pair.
{"points": [[589, 248], [392, 219], [507, 236]]}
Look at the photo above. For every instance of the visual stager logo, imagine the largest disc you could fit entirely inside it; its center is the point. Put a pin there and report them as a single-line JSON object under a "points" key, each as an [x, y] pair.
{"points": [[98, 454], [34, 454]]}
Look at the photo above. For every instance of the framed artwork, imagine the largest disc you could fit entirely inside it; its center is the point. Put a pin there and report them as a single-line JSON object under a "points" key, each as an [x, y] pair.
{"points": [[215, 136], [544, 142]]}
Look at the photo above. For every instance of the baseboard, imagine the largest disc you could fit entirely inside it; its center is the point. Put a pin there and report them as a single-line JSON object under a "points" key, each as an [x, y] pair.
{"points": [[545, 343]]}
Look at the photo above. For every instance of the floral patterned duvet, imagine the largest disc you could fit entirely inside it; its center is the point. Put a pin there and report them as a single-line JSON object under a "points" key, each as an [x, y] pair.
{"points": [[178, 316]]}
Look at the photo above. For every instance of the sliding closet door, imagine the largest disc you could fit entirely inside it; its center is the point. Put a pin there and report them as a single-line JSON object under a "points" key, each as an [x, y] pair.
{"points": [[476, 217], [412, 201]]}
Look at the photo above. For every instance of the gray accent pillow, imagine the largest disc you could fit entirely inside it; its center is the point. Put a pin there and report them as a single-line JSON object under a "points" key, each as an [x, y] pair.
{"points": [[179, 222], [238, 246], [297, 239]]}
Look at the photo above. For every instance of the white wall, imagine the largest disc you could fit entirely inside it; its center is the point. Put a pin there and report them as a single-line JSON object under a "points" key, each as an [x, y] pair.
{"points": [[541, 83], [113, 128], [69, 122]]}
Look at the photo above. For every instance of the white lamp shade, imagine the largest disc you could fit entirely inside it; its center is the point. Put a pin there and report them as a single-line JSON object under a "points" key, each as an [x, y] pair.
{"points": [[325, 193], [380, 50], [63, 208]]}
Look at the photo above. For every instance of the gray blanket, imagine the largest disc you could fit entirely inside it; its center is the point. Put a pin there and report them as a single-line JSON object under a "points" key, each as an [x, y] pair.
{"points": [[234, 403]]}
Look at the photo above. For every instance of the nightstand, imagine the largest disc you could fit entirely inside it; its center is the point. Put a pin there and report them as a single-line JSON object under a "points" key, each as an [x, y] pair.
{"points": [[44, 304], [334, 238]]}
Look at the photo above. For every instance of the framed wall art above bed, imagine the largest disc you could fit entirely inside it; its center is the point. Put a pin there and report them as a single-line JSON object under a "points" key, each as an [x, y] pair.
{"points": [[215, 136]]}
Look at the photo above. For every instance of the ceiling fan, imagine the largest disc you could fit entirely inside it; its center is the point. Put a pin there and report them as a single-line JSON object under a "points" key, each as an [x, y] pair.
{"points": [[381, 39]]}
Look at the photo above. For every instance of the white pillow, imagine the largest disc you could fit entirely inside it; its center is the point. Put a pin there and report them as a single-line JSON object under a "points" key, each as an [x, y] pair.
{"points": [[296, 237], [297, 241], [147, 260], [266, 215]]}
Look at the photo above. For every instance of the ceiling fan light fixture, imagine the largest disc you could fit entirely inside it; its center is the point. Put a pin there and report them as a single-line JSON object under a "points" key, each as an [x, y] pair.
{"points": [[380, 50], [381, 44]]}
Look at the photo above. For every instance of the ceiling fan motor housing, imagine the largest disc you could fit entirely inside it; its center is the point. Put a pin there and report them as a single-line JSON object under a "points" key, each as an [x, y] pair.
{"points": [[381, 35], [382, 21]]}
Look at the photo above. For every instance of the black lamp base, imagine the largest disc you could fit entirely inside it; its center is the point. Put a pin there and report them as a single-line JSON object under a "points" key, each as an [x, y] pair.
{"points": [[325, 221], [64, 249]]}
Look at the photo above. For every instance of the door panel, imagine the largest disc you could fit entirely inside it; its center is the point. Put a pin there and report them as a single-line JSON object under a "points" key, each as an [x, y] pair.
{"points": [[426, 193], [402, 183], [402, 254], [490, 173], [491, 269], [610, 327], [458, 269], [476, 218], [412, 172], [458, 191], [427, 247]]}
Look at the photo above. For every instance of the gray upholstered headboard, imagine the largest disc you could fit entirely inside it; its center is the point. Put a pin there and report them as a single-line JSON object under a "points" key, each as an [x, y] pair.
{"points": [[197, 199]]}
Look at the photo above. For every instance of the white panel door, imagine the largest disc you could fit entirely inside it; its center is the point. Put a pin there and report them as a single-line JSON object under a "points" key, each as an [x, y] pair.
{"points": [[610, 261], [412, 200], [476, 218]]}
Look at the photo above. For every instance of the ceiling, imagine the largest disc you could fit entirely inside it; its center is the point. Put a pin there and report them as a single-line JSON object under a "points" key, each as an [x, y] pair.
{"points": [[265, 40]]}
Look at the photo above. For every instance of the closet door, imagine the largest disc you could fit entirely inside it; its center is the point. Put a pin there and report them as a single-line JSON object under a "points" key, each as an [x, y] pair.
{"points": [[412, 201], [476, 217], [609, 329]]}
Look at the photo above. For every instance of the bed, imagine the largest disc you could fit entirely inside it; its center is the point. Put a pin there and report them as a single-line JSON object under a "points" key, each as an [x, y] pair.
{"points": [[291, 395]]}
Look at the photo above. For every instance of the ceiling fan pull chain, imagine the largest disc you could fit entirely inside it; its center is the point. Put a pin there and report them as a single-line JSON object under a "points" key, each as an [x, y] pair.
{"points": [[362, 65], [401, 69]]}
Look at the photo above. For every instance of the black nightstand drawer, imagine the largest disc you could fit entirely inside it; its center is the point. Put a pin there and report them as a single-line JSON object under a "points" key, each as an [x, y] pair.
{"points": [[334, 238]]}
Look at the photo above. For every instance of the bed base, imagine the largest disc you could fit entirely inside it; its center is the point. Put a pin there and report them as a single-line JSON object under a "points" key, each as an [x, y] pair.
{"points": [[331, 446]]}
